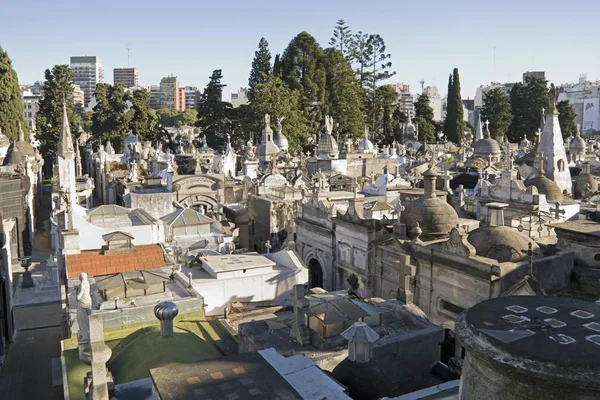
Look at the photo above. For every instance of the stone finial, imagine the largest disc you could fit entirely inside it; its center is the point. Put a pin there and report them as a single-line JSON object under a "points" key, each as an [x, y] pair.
{"points": [[360, 338]]}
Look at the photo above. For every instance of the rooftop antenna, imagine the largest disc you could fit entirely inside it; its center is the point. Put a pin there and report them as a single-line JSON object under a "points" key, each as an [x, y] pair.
{"points": [[128, 49], [422, 82]]}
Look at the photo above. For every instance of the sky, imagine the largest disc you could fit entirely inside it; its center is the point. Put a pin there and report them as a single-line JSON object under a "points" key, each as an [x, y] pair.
{"points": [[190, 39]]}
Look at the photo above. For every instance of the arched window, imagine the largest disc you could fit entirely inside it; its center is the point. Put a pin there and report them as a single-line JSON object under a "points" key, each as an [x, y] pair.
{"points": [[561, 165], [315, 274]]}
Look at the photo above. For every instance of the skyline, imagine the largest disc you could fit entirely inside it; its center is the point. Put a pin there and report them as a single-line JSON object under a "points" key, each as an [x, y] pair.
{"points": [[424, 44]]}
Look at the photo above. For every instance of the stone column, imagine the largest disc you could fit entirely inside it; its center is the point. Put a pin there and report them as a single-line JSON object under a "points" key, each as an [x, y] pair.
{"points": [[100, 355]]}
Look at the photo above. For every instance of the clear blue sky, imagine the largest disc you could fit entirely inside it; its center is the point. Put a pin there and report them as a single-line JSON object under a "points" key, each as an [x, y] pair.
{"points": [[191, 38]]}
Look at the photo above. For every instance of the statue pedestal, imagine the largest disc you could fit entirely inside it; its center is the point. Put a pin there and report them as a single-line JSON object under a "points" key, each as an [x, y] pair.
{"points": [[27, 281]]}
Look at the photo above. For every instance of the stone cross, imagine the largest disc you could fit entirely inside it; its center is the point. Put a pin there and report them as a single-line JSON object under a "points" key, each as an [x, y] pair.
{"points": [[446, 178], [487, 128], [557, 211], [405, 273], [268, 246]]}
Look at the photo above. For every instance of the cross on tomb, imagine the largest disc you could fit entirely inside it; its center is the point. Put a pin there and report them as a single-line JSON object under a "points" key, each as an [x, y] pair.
{"points": [[268, 246], [446, 178], [557, 211], [405, 273]]}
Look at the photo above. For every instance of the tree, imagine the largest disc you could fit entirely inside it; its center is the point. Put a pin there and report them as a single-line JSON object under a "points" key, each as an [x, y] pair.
{"points": [[187, 118], [273, 97], [424, 119], [11, 105], [166, 116], [143, 119], [261, 66], [343, 94], [398, 120], [566, 118], [57, 89], [526, 102], [454, 125], [496, 109], [277, 65], [362, 55], [379, 66], [110, 121], [213, 111], [342, 39], [302, 70], [388, 103]]}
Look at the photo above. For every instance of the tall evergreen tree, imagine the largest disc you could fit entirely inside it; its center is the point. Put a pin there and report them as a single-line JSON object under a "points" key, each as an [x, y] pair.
{"points": [[566, 118], [273, 97], [387, 104], [101, 113], [11, 104], [362, 54], [424, 119], [496, 109], [379, 70], [261, 66], [110, 120], [302, 69], [57, 88], [213, 111], [143, 119], [343, 98], [454, 125], [342, 39], [277, 65]]}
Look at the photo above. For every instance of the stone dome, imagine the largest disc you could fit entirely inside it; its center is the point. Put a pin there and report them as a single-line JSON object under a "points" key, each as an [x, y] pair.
{"points": [[487, 146], [502, 243], [577, 145], [281, 141], [545, 186], [435, 216], [582, 181], [365, 145], [327, 147]]}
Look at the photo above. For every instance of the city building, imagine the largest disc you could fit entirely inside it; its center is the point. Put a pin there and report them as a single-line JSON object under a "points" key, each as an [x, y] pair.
{"points": [[584, 97], [170, 95], [78, 98], [30, 106], [87, 73], [192, 96], [180, 99], [240, 97], [435, 101], [537, 74], [405, 99], [154, 96], [128, 77]]}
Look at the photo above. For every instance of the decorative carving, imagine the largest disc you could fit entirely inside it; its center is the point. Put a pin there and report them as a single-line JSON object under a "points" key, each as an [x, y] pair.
{"points": [[458, 244]]}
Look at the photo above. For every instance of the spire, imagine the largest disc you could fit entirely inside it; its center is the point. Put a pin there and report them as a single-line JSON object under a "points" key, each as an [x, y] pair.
{"points": [[65, 141]]}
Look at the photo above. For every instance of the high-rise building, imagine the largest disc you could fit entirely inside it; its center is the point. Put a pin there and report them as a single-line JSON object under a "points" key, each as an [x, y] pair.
{"points": [[87, 73], [30, 106], [169, 93], [240, 97], [405, 100], [128, 77], [537, 74], [192, 96], [180, 103], [435, 101], [154, 96]]}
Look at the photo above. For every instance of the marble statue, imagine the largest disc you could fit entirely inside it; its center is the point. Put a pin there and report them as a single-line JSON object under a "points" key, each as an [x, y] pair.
{"points": [[328, 124], [84, 309], [279, 121]]}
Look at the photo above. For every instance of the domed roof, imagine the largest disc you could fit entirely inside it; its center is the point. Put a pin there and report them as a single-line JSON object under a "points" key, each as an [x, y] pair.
{"points": [[502, 243], [365, 145], [545, 186], [581, 184], [365, 381], [487, 146], [327, 144], [281, 141], [577, 145]]}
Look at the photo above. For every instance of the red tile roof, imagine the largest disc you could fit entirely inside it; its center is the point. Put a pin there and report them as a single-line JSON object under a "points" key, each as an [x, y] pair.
{"points": [[94, 263]]}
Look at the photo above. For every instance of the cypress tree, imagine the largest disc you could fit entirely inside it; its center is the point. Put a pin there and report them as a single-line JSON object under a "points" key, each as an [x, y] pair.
{"points": [[450, 110], [11, 104], [261, 66], [458, 110]]}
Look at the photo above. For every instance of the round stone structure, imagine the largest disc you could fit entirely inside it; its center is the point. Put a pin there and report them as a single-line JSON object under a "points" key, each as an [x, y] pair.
{"points": [[530, 347], [166, 313], [502, 243], [545, 186]]}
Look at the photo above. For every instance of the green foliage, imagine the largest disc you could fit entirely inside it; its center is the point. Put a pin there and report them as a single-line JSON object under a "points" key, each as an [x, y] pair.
{"points": [[424, 119], [302, 70], [496, 109], [277, 65], [143, 119], [342, 39], [243, 124], [11, 105], [343, 94], [169, 117], [379, 70], [526, 103], [273, 97], [57, 89], [261, 66], [362, 55], [454, 125], [110, 121], [566, 118], [213, 111]]}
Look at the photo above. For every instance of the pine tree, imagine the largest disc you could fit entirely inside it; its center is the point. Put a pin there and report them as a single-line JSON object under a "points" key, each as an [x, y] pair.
{"points": [[261, 66], [362, 54], [11, 104], [110, 121], [379, 70], [566, 118], [342, 39], [496, 109], [302, 69], [277, 65], [450, 109], [213, 111], [57, 88], [344, 97], [424, 119]]}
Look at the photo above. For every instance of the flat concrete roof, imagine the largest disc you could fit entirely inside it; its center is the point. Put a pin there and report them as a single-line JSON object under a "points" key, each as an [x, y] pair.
{"points": [[584, 227], [236, 262]]}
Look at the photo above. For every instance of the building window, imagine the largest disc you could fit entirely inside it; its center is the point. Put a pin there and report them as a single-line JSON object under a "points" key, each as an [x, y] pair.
{"points": [[561, 165], [450, 308]]}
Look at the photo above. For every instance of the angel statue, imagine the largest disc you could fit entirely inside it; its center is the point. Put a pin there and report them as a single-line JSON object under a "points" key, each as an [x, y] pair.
{"points": [[279, 121], [267, 121], [328, 124]]}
